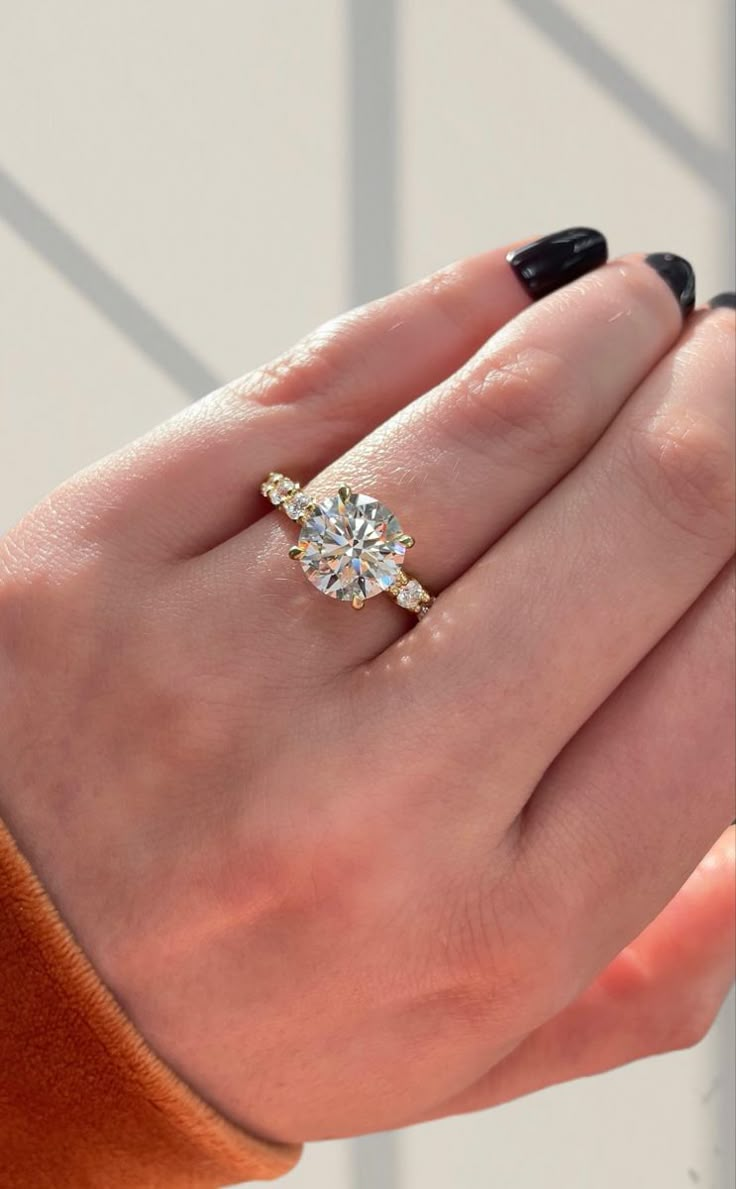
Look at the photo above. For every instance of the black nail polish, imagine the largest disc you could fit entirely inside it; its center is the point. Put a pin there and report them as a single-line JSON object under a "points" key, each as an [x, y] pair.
{"points": [[723, 300], [678, 274], [549, 263]]}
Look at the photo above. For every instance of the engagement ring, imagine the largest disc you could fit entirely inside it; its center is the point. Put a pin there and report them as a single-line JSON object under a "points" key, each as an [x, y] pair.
{"points": [[351, 547]]}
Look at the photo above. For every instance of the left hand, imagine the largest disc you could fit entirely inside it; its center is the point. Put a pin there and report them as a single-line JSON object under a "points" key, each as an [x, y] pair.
{"points": [[345, 875]]}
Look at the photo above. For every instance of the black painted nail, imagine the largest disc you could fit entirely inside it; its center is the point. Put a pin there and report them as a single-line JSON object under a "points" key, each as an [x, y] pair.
{"points": [[678, 274], [723, 299], [549, 263]]}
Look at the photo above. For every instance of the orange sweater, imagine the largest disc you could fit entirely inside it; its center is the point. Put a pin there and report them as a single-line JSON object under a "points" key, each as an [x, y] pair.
{"points": [[83, 1101]]}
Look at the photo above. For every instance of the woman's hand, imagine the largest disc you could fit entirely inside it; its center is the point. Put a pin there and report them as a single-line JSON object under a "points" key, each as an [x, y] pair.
{"points": [[346, 872]]}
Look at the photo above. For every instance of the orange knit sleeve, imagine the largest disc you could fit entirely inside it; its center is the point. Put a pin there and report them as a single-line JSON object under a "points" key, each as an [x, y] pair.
{"points": [[83, 1101]]}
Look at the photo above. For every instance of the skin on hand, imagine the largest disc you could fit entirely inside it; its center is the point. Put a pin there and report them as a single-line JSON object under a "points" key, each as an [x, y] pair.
{"points": [[344, 875]]}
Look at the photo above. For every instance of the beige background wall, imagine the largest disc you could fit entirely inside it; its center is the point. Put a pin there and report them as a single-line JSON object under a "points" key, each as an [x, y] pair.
{"points": [[187, 187]]}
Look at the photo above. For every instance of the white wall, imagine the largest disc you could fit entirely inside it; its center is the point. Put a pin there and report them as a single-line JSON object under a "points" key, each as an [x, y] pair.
{"points": [[188, 187]]}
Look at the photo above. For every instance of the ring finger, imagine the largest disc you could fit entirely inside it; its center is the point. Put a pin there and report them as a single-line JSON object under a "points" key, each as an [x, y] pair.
{"points": [[193, 482], [461, 464]]}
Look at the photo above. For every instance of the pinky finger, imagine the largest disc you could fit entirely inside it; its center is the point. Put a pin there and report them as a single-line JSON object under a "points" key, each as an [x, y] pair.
{"points": [[661, 993]]}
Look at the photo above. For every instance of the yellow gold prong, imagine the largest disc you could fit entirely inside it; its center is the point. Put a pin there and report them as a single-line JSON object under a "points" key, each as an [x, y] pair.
{"points": [[326, 542]]}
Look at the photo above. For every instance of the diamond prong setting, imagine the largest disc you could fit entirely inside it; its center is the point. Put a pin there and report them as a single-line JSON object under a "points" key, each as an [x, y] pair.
{"points": [[351, 546]]}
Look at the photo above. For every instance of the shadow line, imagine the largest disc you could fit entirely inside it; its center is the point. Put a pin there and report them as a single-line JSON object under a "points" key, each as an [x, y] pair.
{"points": [[371, 63], [78, 267], [376, 1161], [725, 1080], [705, 160], [726, 83]]}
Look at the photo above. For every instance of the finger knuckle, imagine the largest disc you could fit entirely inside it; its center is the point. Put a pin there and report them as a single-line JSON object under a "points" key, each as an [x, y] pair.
{"points": [[471, 939], [687, 1028], [36, 608], [686, 467], [13, 606], [455, 302], [527, 399], [495, 955], [314, 367]]}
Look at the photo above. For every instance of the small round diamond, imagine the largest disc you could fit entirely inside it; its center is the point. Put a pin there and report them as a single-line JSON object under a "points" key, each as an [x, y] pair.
{"points": [[297, 505], [411, 596], [351, 547], [281, 490]]}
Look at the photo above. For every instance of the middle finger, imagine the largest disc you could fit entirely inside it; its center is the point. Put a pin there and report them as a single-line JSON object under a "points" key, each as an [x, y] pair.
{"points": [[558, 613]]}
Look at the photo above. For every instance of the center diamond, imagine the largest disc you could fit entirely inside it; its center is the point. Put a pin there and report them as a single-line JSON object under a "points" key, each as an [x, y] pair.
{"points": [[351, 547]]}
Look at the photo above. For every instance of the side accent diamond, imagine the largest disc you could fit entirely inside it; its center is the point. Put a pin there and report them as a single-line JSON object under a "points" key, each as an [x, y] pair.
{"points": [[411, 595], [297, 505], [281, 490]]}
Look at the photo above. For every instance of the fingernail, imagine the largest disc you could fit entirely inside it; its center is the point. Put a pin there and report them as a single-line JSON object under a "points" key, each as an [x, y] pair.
{"points": [[727, 300], [549, 263], [678, 274]]}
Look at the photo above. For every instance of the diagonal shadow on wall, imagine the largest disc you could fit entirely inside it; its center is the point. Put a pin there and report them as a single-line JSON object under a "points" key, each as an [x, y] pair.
{"points": [[707, 161], [109, 297], [371, 64]]}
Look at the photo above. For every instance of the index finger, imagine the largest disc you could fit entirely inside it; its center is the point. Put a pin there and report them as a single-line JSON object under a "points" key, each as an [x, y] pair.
{"points": [[197, 478]]}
